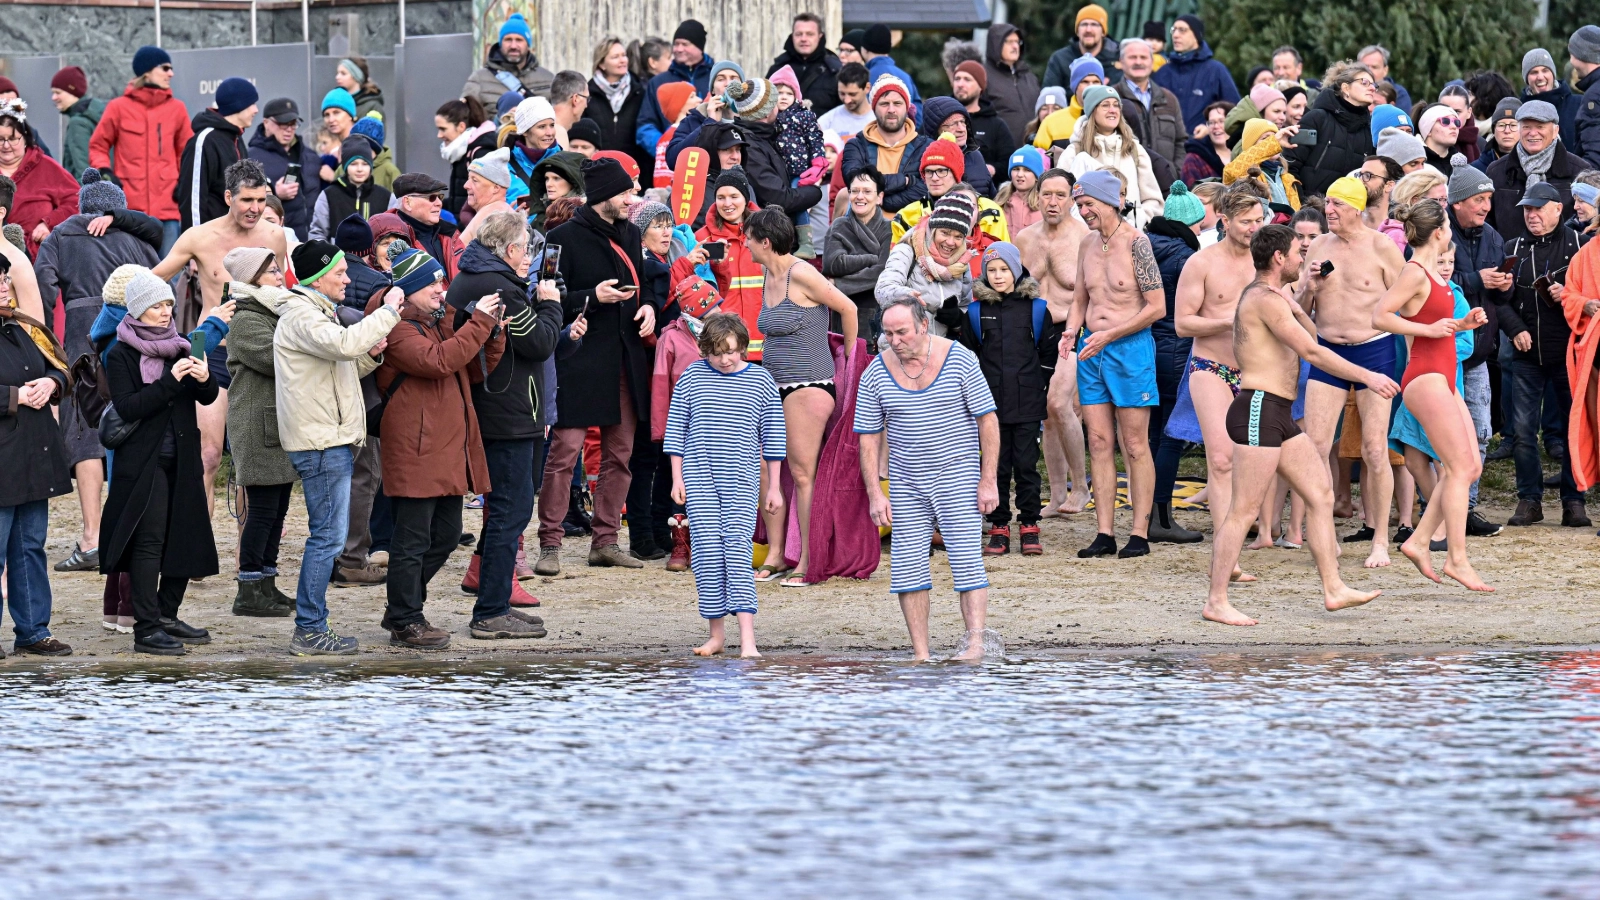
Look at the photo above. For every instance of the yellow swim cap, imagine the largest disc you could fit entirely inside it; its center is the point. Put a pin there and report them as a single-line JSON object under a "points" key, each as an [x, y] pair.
{"points": [[1349, 190]]}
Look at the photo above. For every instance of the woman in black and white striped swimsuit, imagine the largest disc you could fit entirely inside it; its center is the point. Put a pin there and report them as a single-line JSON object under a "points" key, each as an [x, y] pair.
{"points": [[797, 355]]}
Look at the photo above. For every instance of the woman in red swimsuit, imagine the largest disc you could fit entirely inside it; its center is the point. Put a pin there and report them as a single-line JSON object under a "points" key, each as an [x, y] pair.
{"points": [[1419, 305]]}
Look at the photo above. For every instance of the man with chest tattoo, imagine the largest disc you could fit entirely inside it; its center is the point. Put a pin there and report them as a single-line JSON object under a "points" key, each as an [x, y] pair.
{"points": [[1050, 253], [1118, 297]]}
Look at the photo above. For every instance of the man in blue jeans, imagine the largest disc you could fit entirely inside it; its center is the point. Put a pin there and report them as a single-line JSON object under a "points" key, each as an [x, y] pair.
{"points": [[322, 420]]}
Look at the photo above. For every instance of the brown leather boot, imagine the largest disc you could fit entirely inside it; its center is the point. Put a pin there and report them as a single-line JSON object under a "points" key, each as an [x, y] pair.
{"points": [[419, 636], [1528, 512], [679, 560], [1573, 514]]}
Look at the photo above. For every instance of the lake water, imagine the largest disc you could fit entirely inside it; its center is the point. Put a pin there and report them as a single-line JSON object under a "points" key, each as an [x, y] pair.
{"points": [[1472, 774]]}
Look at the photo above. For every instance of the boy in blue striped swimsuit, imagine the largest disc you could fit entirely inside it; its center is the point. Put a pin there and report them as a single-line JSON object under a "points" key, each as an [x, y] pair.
{"points": [[724, 425]]}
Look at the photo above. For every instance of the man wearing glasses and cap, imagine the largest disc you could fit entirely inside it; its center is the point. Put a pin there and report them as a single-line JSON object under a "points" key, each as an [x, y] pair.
{"points": [[420, 199], [277, 145], [1538, 157]]}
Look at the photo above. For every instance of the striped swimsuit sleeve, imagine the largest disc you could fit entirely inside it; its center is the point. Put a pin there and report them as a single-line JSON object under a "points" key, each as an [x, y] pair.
{"points": [[774, 433], [678, 414], [974, 389], [869, 408]]}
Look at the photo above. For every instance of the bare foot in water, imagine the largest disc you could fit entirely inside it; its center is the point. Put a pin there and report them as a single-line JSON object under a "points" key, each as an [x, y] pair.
{"points": [[747, 652], [1419, 557], [1240, 576], [1379, 557], [1346, 597], [974, 651], [1468, 577], [1225, 613], [709, 648]]}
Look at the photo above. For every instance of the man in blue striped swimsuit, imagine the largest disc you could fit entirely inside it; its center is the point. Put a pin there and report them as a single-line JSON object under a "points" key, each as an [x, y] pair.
{"points": [[928, 402]]}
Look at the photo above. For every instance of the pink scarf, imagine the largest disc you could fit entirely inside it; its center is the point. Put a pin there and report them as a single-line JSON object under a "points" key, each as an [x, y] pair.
{"points": [[154, 345]]}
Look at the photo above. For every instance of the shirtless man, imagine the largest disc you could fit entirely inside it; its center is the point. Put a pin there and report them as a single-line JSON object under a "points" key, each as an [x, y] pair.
{"points": [[206, 244], [1050, 253], [1365, 264], [1118, 297], [1208, 294], [1270, 335]]}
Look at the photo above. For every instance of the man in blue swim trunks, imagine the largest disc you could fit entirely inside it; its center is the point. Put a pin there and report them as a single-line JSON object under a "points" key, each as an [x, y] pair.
{"points": [[1117, 298], [1365, 263]]}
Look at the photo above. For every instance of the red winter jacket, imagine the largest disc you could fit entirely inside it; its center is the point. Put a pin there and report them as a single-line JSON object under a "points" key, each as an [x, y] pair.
{"points": [[45, 193], [145, 130], [739, 278]]}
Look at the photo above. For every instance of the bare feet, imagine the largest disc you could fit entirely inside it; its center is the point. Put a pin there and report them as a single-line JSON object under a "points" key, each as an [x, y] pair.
{"points": [[1076, 501], [1344, 509], [973, 652], [1052, 509], [748, 652], [1260, 543], [1469, 579], [1224, 612], [709, 648], [1346, 597], [1379, 556], [1419, 558], [1240, 576]]}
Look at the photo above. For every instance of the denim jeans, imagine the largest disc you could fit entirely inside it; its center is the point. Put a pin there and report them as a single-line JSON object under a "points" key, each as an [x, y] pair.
{"points": [[170, 229], [325, 476], [22, 533], [1530, 380], [1475, 391], [507, 510]]}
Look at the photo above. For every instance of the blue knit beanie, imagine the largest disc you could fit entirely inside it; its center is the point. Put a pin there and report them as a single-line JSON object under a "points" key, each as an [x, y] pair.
{"points": [[1083, 67], [147, 58], [371, 126], [235, 95], [414, 270], [339, 98], [507, 102], [353, 235], [1028, 158], [516, 25], [1183, 206], [1387, 116]]}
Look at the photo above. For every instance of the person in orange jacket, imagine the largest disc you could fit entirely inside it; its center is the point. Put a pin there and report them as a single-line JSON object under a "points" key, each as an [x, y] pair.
{"points": [[141, 138], [739, 279]]}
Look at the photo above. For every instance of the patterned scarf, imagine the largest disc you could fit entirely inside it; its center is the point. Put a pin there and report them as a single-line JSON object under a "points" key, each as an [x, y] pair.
{"points": [[933, 265], [1537, 165], [42, 337], [616, 94]]}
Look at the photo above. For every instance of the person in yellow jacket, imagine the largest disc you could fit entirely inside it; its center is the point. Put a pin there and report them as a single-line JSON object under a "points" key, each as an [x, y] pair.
{"points": [[1056, 129], [1263, 145], [948, 166]]}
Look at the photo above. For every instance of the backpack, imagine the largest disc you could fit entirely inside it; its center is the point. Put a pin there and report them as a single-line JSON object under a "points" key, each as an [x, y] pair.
{"points": [[91, 393]]}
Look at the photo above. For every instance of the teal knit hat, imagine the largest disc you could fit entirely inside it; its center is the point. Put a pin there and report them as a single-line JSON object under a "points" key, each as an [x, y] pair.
{"points": [[413, 269], [1183, 206]]}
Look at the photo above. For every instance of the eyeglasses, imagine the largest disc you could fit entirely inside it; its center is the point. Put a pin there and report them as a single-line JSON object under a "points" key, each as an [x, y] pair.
{"points": [[1366, 81], [1369, 176], [937, 172], [19, 139], [165, 67]]}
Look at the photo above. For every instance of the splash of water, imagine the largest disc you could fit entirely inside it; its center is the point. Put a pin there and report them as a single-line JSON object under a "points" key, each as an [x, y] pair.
{"points": [[994, 646]]}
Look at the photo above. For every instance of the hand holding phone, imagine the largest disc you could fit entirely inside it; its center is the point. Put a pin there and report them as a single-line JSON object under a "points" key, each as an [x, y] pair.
{"points": [[1305, 137], [1327, 268], [1507, 265], [550, 266], [197, 344], [716, 251]]}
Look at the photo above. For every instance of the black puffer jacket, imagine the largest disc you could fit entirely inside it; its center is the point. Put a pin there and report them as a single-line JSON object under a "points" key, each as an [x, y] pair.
{"points": [[1344, 141], [1524, 310], [617, 128], [511, 402], [769, 173], [817, 72], [1012, 89], [1015, 361]]}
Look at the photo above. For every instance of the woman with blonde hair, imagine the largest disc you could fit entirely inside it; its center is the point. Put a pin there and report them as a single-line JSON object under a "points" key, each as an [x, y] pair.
{"points": [[1103, 140], [1426, 182], [615, 98]]}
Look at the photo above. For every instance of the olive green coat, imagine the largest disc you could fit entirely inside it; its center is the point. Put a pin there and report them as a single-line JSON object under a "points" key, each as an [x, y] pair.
{"points": [[258, 455]]}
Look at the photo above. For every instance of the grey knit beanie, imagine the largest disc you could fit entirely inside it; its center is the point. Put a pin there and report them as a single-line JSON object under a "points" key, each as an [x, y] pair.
{"points": [[99, 195], [1584, 45], [144, 291], [1465, 181], [1535, 58], [1401, 147]]}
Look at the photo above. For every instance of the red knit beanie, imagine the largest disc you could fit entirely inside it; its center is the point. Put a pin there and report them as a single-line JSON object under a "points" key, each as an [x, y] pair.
{"points": [[72, 80], [945, 153]]}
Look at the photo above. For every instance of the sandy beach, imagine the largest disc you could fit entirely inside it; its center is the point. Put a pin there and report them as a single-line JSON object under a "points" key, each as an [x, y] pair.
{"points": [[1548, 578]]}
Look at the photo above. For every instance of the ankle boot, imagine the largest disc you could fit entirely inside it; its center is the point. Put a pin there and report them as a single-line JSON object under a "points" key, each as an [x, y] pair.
{"points": [[1528, 512], [469, 583], [1573, 514], [679, 526], [642, 543], [523, 570], [1165, 530], [270, 583], [520, 597], [577, 521], [253, 599]]}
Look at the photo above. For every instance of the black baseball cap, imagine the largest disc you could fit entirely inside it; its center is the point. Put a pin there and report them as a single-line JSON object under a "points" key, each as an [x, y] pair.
{"points": [[1540, 194], [731, 137], [282, 110]]}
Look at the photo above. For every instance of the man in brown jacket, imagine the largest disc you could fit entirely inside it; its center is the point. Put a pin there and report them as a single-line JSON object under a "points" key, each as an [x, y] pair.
{"points": [[436, 454]]}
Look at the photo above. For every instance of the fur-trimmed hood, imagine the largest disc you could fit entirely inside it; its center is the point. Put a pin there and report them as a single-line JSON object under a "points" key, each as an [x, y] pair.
{"points": [[1026, 289]]}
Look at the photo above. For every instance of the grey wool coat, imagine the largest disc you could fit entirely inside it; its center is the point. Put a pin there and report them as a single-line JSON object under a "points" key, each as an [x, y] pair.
{"points": [[258, 456]]}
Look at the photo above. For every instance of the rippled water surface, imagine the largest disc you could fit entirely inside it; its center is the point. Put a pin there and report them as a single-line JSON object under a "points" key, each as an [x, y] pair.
{"points": [[1467, 775]]}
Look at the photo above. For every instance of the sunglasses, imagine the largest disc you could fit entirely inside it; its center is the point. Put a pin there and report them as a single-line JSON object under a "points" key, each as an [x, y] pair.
{"points": [[1450, 120]]}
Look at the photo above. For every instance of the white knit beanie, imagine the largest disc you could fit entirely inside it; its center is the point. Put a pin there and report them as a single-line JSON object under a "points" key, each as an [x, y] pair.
{"points": [[531, 112]]}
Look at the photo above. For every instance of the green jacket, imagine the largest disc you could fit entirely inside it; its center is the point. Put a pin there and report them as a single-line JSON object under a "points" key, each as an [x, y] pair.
{"points": [[82, 117], [384, 171], [258, 454]]}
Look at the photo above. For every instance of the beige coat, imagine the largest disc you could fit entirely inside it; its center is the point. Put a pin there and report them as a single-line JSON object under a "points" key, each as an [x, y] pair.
{"points": [[319, 366], [1143, 191]]}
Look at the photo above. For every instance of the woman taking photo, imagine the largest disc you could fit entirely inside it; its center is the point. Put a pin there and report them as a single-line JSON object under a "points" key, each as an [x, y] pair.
{"points": [[156, 513], [1420, 306], [794, 318], [259, 461]]}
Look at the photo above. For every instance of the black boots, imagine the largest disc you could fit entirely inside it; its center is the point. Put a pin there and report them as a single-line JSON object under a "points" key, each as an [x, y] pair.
{"points": [[260, 598], [1165, 530], [577, 520]]}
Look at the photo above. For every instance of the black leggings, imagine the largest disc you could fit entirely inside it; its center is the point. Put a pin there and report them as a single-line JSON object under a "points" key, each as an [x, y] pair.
{"points": [[145, 549], [268, 504]]}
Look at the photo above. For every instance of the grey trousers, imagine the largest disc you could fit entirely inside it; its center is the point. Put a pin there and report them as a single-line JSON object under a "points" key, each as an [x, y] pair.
{"points": [[365, 479], [1475, 391]]}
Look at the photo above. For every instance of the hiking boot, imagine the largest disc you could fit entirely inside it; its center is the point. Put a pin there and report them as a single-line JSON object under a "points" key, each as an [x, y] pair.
{"points": [[549, 561], [366, 575], [1528, 512], [503, 628], [530, 619], [321, 643], [1164, 529], [1478, 526], [612, 555], [522, 571], [469, 582], [520, 597], [185, 632], [1501, 451], [254, 599], [278, 597], [679, 561], [1030, 541], [47, 647], [418, 636], [1573, 515], [999, 541], [80, 560], [159, 643], [642, 544]]}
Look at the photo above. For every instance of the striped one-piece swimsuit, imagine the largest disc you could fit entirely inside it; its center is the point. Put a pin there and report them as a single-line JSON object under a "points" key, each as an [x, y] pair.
{"points": [[796, 350]]}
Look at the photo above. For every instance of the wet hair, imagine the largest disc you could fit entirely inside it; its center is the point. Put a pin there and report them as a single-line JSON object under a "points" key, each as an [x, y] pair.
{"points": [[1269, 241], [1487, 89], [1344, 72], [1239, 199], [466, 111], [919, 313], [872, 175], [771, 224], [1058, 173], [718, 327], [1309, 213], [1421, 219], [855, 73], [246, 173], [565, 85]]}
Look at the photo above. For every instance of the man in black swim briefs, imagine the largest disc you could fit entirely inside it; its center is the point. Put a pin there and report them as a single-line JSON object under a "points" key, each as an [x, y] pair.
{"points": [[1270, 335]]}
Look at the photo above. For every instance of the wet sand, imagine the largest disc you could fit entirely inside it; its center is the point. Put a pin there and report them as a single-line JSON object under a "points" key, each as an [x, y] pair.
{"points": [[1548, 579]]}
